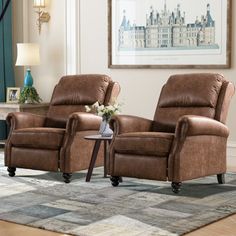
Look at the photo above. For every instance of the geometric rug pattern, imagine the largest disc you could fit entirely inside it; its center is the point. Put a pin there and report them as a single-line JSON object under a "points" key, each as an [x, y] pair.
{"points": [[134, 208]]}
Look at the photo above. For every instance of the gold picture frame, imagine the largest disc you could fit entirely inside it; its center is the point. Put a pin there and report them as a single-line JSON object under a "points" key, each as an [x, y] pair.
{"points": [[195, 34], [13, 95]]}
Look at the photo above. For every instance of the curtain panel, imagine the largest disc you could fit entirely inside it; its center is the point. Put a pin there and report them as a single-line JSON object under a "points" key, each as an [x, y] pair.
{"points": [[6, 61]]}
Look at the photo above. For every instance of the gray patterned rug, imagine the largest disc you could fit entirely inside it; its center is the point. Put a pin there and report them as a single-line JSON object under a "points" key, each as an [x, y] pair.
{"points": [[135, 208]]}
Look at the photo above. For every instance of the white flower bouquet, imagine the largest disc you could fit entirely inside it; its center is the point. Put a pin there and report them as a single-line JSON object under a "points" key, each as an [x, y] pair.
{"points": [[106, 112]]}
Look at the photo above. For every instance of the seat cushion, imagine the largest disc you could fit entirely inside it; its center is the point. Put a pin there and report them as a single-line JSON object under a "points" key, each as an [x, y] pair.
{"points": [[40, 137], [144, 143]]}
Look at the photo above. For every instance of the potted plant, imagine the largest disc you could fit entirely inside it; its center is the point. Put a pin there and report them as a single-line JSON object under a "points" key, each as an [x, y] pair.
{"points": [[29, 95]]}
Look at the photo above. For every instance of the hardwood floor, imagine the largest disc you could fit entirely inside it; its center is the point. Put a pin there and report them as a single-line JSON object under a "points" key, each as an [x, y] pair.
{"points": [[225, 227], [10, 229]]}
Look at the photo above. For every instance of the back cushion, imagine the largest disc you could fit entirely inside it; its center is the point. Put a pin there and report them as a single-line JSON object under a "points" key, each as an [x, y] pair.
{"points": [[80, 89], [72, 93], [57, 115], [188, 94]]}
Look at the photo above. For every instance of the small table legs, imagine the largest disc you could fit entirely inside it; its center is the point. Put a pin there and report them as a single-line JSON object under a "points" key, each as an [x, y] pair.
{"points": [[94, 157], [106, 156]]}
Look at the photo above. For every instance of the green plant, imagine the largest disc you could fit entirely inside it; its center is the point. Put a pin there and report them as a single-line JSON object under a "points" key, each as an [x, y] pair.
{"points": [[106, 112], [29, 95]]}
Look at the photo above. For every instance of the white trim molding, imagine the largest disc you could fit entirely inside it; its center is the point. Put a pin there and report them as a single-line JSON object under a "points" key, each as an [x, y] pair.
{"points": [[25, 15], [231, 149], [71, 47]]}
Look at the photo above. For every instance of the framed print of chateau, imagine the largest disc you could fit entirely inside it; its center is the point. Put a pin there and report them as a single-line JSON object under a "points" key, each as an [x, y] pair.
{"points": [[169, 33]]}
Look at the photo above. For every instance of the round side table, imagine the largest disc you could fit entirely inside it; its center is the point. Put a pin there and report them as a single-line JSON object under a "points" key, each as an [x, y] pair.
{"points": [[98, 139]]}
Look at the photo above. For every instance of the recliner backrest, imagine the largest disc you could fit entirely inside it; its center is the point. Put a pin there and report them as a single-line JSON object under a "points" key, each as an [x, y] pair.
{"points": [[204, 94], [73, 92]]}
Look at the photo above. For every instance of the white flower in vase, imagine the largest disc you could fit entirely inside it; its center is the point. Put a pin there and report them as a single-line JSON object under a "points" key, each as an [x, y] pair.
{"points": [[106, 112]]}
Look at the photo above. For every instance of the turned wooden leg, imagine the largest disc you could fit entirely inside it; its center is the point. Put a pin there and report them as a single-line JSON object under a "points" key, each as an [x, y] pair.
{"points": [[67, 177], [11, 171], [176, 186], [115, 180], [221, 178]]}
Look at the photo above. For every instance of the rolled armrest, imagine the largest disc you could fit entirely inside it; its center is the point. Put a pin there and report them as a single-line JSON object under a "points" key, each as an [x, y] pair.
{"points": [[126, 124], [20, 120], [81, 121], [191, 125]]}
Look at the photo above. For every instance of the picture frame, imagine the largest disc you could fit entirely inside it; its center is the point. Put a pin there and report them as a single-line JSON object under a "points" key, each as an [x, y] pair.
{"points": [[13, 95], [169, 34]]}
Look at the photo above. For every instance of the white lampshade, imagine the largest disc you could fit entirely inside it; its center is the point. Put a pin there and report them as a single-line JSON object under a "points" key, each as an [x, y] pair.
{"points": [[39, 3], [27, 54]]}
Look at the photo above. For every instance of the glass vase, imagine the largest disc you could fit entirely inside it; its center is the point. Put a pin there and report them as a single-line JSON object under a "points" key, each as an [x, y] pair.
{"points": [[105, 129]]}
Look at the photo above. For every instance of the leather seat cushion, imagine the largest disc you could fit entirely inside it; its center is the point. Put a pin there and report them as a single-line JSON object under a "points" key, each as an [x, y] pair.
{"points": [[40, 137], [144, 143]]}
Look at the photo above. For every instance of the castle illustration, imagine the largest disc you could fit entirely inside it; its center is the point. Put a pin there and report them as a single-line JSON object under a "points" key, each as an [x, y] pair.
{"points": [[168, 30]]}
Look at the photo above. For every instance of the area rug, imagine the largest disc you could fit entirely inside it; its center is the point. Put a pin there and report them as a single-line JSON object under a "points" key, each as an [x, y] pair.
{"points": [[134, 208]]}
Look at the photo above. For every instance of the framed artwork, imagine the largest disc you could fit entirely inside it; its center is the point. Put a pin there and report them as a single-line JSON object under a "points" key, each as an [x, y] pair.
{"points": [[13, 95], [169, 33]]}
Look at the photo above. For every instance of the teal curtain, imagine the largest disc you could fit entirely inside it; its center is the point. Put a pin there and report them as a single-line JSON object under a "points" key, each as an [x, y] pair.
{"points": [[6, 61]]}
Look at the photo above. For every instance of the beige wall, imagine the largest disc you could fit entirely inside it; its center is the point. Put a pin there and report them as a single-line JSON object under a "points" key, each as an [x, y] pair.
{"points": [[51, 40], [140, 88]]}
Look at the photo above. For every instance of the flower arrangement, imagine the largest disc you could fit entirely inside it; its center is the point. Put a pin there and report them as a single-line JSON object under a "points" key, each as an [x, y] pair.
{"points": [[106, 112]]}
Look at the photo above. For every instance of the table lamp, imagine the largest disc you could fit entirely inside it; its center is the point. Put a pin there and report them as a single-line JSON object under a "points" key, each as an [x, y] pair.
{"points": [[27, 55]]}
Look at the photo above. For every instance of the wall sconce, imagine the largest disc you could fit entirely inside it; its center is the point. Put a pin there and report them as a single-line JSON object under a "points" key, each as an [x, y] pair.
{"points": [[42, 16]]}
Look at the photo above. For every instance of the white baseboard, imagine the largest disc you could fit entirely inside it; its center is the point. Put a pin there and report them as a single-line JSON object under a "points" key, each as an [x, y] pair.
{"points": [[231, 149]]}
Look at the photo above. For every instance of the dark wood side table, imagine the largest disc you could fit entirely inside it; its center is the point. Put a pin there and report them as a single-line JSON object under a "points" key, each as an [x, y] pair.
{"points": [[98, 139]]}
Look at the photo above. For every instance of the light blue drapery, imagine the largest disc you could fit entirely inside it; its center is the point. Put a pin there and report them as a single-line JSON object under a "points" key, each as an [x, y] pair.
{"points": [[6, 62]]}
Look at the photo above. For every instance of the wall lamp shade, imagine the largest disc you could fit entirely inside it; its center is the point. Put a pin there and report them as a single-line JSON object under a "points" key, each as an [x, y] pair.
{"points": [[39, 3], [28, 55]]}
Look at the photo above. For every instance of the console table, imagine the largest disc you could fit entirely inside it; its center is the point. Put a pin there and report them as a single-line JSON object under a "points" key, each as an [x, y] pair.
{"points": [[38, 108], [6, 108]]}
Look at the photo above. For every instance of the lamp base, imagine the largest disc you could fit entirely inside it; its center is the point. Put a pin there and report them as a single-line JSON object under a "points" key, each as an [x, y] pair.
{"points": [[28, 81]]}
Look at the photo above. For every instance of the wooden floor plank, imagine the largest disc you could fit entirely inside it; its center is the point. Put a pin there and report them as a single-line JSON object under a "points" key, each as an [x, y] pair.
{"points": [[11, 229], [225, 227]]}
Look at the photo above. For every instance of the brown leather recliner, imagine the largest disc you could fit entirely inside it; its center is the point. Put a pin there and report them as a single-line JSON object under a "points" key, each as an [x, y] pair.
{"points": [[185, 140], [55, 142]]}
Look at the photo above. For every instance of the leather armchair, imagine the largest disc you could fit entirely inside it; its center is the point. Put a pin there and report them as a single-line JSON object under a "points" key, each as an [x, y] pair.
{"points": [[55, 142], [185, 140]]}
